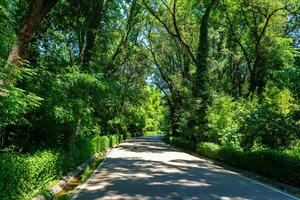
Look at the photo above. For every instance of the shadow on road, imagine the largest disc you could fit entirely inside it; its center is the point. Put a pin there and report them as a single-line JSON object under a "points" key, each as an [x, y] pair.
{"points": [[145, 168]]}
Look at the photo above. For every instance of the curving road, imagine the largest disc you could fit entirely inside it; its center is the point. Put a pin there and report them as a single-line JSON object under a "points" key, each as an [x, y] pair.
{"points": [[146, 168]]}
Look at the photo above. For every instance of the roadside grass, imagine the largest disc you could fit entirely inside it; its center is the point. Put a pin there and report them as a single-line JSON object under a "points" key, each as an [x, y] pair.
{"points": [[68, 190], [151, 133]]}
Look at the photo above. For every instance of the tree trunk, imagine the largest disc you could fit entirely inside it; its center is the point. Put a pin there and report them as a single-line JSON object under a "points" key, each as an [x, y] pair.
{"points": [[173, 122], [94, 18], [201, 80], [37, 12]]}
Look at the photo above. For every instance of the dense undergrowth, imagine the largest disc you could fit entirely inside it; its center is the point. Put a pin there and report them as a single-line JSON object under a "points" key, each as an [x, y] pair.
{"points": [[22, 176], [222, 72], [283, 166]]}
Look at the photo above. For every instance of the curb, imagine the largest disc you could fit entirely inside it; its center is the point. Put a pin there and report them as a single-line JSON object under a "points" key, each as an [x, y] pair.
{"points": [[69, 177]]}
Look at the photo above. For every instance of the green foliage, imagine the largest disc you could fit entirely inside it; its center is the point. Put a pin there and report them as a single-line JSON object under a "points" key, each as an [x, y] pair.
{"points": [[114, 140], [288, 78], [89, 69], [208, 149], [154, 110], [282, 166], [16, 102], [86, 174], [225, 116], [23, 175], [270, 124], [7, 35], [181, 142], [127, 136]]}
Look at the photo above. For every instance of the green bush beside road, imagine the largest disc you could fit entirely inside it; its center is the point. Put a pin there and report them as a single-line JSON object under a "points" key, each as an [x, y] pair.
{"points": [[283, 166], [21, 175]]}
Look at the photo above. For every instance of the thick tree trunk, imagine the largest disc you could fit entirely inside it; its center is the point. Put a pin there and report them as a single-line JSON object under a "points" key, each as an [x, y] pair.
{"points": [[173, 122], [201, 80], [94, 18], [37, 12], [257, 74]]}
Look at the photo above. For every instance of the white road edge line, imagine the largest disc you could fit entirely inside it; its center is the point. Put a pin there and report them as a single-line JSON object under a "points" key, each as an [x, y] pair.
{"points": [[79, 188], [247, 178], [268, 186]]}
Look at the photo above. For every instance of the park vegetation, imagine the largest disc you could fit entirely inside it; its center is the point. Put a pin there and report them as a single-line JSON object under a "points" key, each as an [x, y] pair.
{"points": [[220, 77]]}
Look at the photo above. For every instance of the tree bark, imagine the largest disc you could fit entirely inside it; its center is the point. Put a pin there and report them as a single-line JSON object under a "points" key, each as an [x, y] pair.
{"points": [[37, 12], [201, 79], [94, 18]]}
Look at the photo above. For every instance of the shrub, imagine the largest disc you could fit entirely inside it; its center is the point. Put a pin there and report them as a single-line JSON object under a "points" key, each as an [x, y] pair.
{"points": [[150, 133], [233, 156], [225, 116], [269, 127], [271, 124], [104, 143], [120, 138], [182, 142], [21, 175], [281, 166], [113, 140], [208, 149], [127, 136]]}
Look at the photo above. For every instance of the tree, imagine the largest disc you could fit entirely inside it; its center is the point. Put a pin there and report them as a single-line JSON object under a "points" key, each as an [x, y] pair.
{"points": [[37, 12]]}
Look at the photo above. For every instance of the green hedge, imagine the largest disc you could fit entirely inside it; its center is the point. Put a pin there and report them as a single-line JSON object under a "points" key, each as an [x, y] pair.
{"points": [[127, 136], [114, 140], [23, 175], [181, 142], [281, 166], [20, 175]]}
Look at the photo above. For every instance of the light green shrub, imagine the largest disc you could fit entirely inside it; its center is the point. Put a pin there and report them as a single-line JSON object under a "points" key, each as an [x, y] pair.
{"points": [[21, 175], [208, 149], [281, 166], [225, 116], [271, 124]]}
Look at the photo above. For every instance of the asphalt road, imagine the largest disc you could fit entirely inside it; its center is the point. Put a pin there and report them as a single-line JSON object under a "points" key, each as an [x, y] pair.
{"points": [[145, 168]]}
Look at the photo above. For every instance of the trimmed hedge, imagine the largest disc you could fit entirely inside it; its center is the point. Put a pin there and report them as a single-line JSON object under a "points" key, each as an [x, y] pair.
{"points": [[114, 140], [181, 142], [23, 175], [281, 166]]}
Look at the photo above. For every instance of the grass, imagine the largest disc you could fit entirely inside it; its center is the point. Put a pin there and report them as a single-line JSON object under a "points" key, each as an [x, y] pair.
{"points": [[150, 133], [69, 188]]}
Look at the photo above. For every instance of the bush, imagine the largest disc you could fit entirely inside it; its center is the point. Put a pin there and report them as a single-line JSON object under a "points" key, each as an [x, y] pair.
{"points": [[208, 149], [181, 142], [104, 143], [267, 162], [225, 116], [120, 138], [271, 124], [127, 136], [150, 133], [113, 140], [281, 166], [22, 175], [269, 127]]}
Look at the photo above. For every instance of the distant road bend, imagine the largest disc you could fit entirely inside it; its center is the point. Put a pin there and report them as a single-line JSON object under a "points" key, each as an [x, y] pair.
{"points": [[146, 168]]}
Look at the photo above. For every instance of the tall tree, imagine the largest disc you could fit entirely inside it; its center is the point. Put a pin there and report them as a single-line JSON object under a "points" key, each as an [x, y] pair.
{"points": [[201, 90], [37, 12]]}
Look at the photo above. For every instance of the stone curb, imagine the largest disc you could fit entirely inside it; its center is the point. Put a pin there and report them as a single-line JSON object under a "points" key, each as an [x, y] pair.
{"points": [[70, 176]]}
